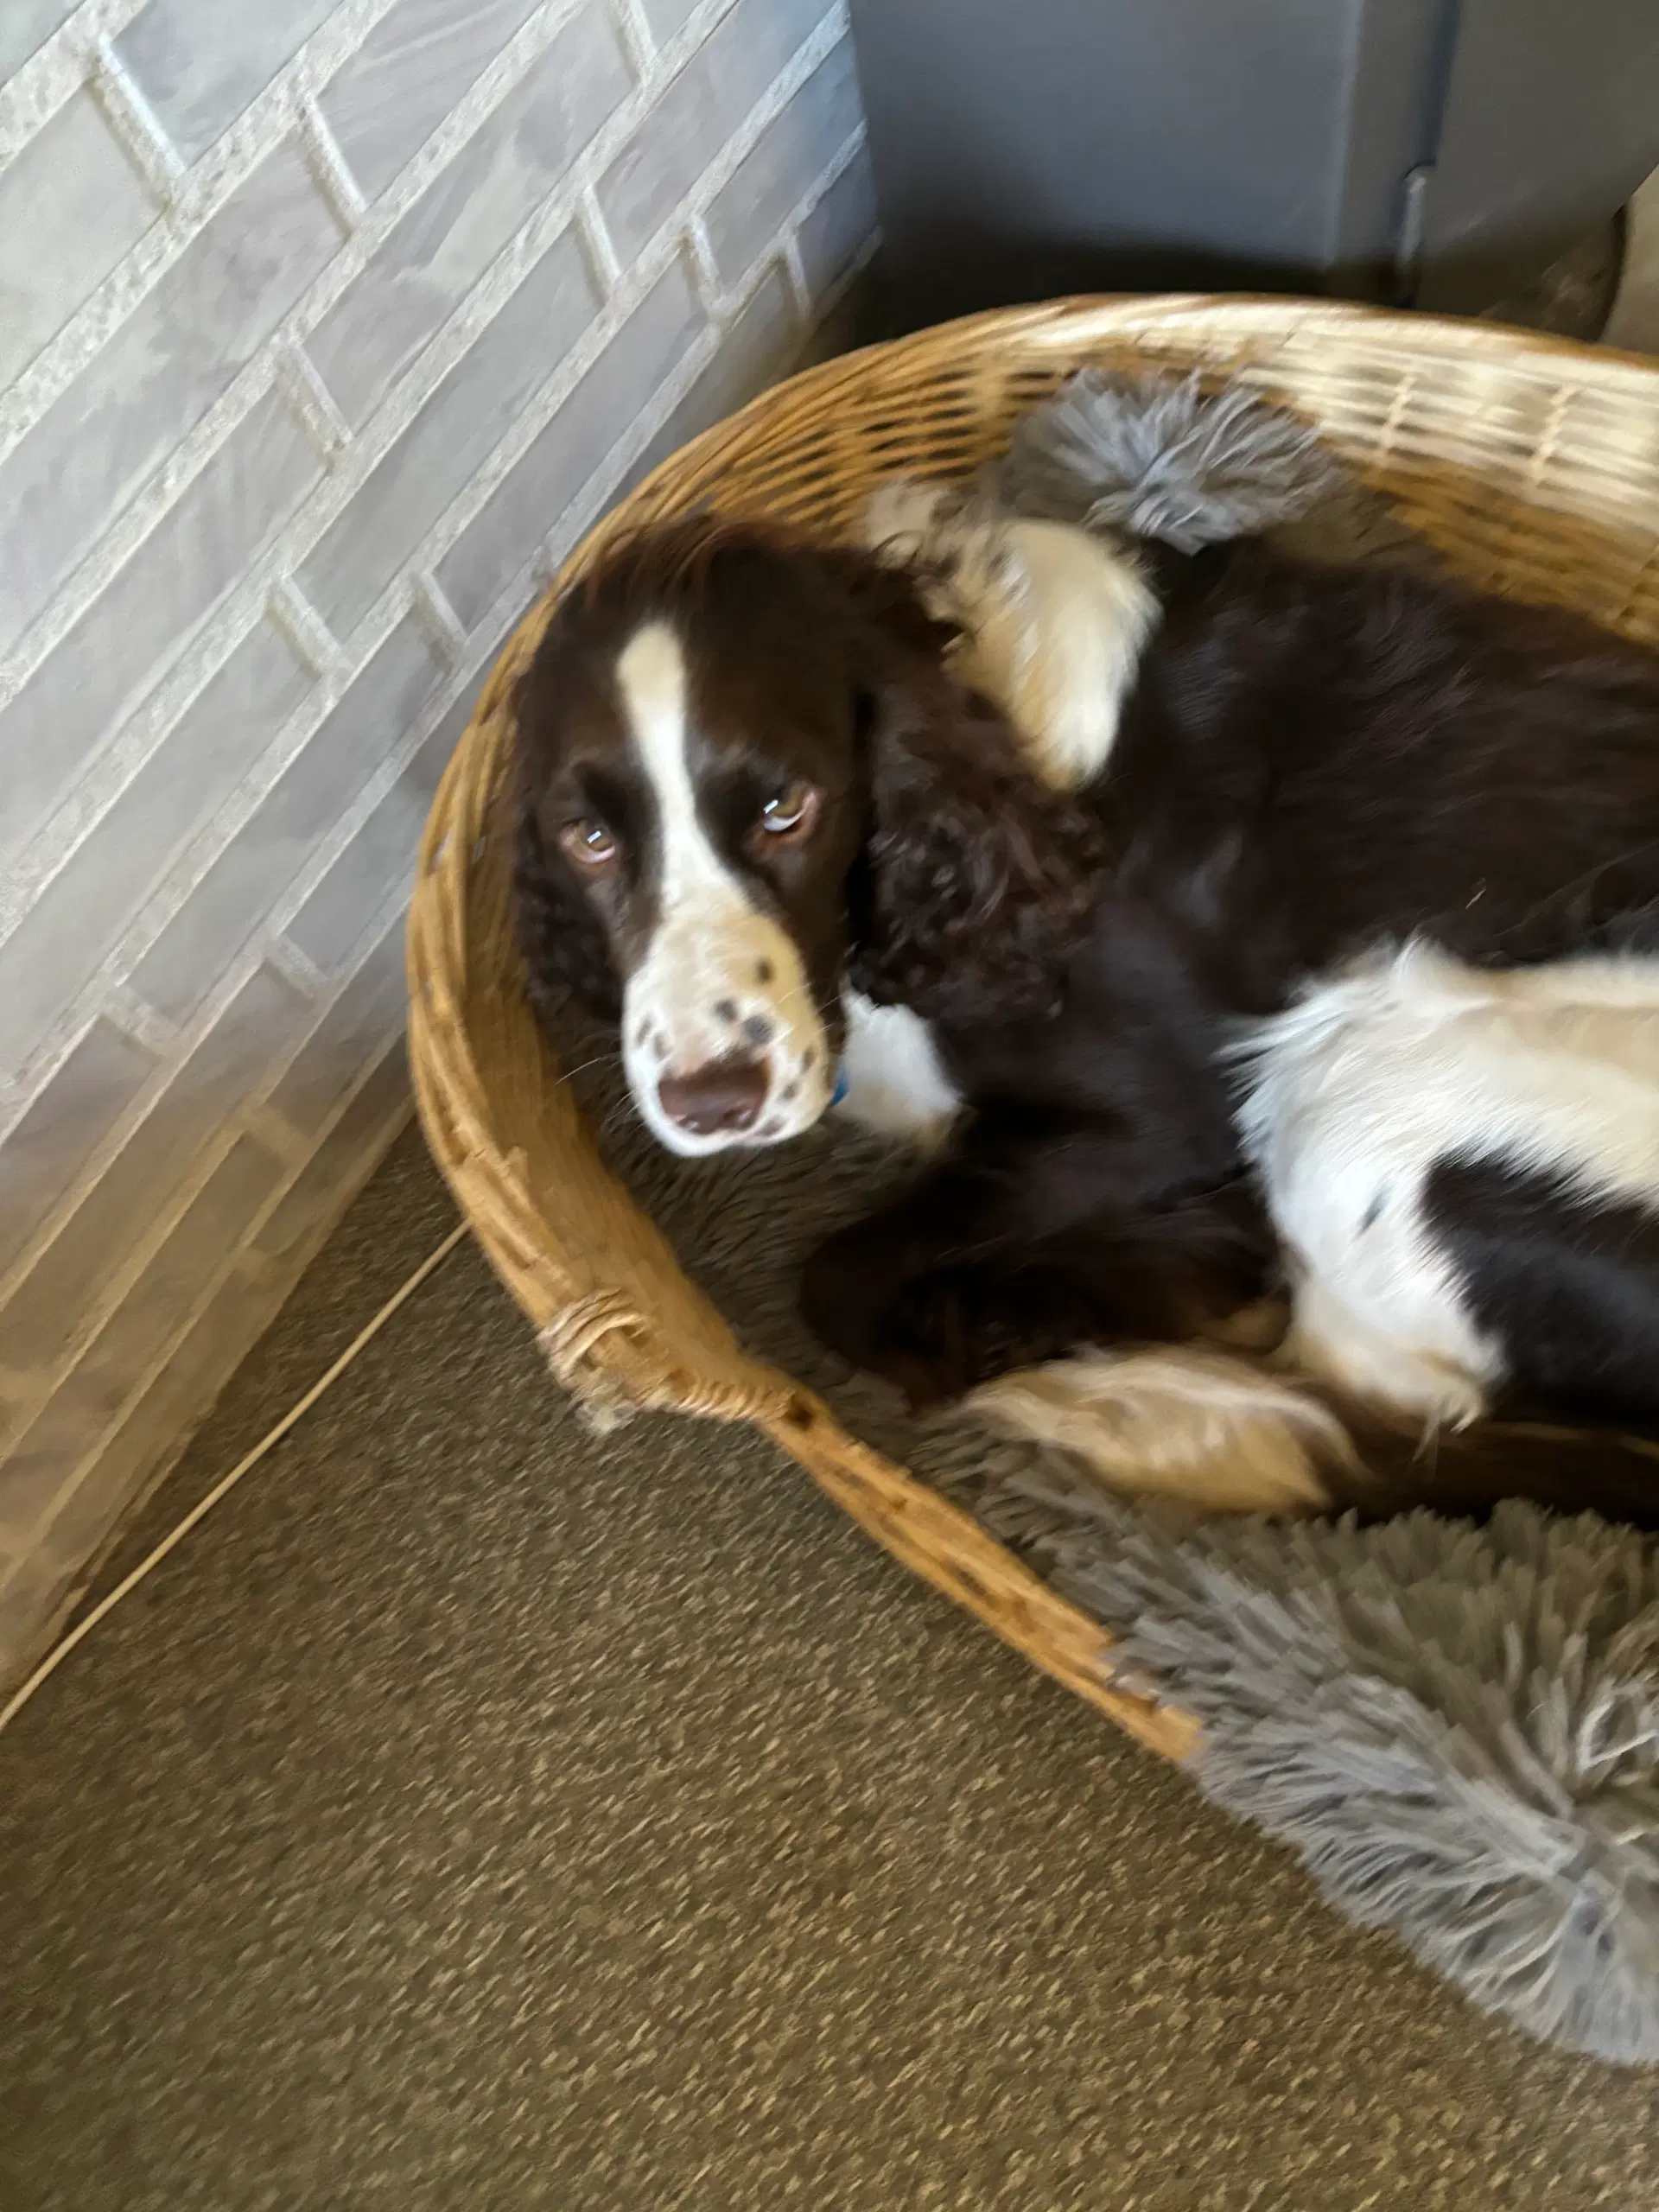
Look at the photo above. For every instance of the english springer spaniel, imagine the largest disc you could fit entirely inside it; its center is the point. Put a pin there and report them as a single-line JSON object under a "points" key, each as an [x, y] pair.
{"points": [[1216, 923]]}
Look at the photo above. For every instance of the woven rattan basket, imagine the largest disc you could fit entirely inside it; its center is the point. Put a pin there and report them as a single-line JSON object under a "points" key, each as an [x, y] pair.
{"points": [[1533, 464]]}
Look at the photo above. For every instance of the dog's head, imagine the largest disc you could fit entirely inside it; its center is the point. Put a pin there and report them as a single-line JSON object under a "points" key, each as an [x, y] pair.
{"points": [[747, 776]]}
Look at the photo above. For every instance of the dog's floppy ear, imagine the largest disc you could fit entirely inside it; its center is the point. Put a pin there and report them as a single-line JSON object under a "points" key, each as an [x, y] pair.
{"points": [[979, 880], [567, 955]]}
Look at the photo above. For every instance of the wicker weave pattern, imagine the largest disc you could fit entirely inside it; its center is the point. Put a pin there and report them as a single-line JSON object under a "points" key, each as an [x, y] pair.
{"points": [[1532, 464]]}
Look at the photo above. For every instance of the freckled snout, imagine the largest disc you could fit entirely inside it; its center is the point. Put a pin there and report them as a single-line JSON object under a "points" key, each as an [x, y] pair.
{"points": [[721, 1098], [722, 1043]]}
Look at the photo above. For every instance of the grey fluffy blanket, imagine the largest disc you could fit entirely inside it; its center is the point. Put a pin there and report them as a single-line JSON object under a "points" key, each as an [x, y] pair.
{"points": [[1456, 1728]]}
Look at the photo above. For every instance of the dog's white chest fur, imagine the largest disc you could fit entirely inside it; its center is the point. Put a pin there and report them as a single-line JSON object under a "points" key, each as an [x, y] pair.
{"points": [[895, 1082]]}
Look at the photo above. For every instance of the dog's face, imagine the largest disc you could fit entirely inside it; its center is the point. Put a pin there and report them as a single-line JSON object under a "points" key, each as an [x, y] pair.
{"points": [[740, 766], [703, 790]]}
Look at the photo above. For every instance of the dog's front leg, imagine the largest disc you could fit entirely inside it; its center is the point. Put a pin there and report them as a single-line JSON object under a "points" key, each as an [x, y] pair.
{"points": [[1024, 1243]]}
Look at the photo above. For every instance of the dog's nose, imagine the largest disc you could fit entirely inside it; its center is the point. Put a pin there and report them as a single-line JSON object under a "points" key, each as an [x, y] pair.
{"points": [[723, 1097]]}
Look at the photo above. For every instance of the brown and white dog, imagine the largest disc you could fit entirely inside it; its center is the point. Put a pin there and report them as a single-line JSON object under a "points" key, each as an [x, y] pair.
{"points": [[1215, 922]]}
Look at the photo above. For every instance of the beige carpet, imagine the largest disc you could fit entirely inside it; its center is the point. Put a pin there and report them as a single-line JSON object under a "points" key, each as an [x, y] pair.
{"points": [[473, 1817]]}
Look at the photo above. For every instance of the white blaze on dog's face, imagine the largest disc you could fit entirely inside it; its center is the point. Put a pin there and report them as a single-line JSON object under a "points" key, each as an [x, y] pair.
{"points": [[722, 1042]]}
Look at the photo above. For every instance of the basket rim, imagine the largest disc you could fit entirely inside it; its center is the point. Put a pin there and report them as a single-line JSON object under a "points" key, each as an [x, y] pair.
{"points": [[612, 1354], [1458, 333]]}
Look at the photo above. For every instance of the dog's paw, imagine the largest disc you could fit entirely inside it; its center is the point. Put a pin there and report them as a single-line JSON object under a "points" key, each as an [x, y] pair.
{"points": [[939, 1334]]}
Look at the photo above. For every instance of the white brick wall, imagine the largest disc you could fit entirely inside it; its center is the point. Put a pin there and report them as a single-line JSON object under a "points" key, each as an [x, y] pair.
{"points": [[326, 327]]}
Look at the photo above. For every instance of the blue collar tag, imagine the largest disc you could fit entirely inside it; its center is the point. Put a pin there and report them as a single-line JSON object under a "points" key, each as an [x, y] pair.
{"points": [[840, 1090]]}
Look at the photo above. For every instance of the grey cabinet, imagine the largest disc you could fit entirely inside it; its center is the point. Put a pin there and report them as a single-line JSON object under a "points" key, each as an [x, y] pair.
{"points": [[1439, 151]]}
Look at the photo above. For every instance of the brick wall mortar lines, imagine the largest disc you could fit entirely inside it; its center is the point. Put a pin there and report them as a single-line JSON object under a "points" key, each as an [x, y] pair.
{"points": [[180, 1041], [56, 71], [301, 971], [162, 168], [211, 186], [140, 1019], [538, 571], [353, 459], [637, 40], [192, 199], [790, 254], [440, 620], [257, 1117], [36, 1394], [289, 745], [193, 865], [405, 593], [280, 110], [636, 282], [334, 886], [31, 1400], [200, 1308]]}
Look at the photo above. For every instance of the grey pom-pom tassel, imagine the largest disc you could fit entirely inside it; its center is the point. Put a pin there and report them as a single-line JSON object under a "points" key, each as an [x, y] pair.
{"points": [[1169, 460]]}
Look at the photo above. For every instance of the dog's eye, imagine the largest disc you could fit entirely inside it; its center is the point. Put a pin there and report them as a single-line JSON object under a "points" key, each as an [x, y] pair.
{"points": [[590, 843], [790, 812]]}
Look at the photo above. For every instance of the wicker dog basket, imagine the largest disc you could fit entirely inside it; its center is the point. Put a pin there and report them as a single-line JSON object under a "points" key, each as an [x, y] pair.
{"points": [[1534, 465]]}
